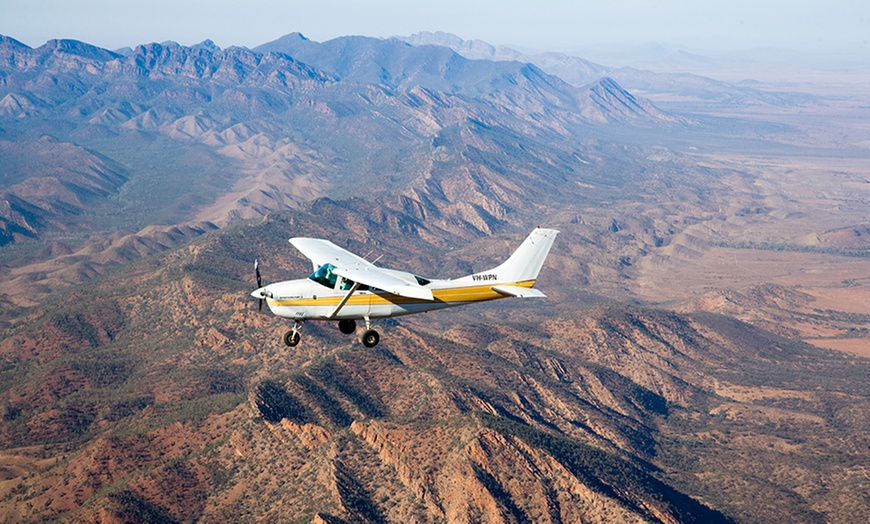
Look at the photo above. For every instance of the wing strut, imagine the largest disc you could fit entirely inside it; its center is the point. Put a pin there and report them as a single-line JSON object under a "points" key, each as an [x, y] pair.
{"points": [[344, 300]]}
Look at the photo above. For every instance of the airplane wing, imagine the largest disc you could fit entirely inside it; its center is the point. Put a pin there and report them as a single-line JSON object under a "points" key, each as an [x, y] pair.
{"points": [[375, 277], [358, 269], [321, 252]]}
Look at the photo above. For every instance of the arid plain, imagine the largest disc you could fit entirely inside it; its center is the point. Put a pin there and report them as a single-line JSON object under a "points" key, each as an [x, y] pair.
{"points": [[799, 221]]}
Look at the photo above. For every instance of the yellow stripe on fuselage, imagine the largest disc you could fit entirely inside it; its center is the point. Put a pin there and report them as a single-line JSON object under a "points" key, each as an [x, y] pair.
{"points": [[448, 295]]}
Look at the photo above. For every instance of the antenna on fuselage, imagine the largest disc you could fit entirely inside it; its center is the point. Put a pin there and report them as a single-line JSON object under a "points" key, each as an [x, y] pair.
{"points": [[375, 260]]}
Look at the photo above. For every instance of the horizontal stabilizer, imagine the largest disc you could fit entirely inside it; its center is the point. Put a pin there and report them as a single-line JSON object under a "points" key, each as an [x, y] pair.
{"points": [[518, 291]]}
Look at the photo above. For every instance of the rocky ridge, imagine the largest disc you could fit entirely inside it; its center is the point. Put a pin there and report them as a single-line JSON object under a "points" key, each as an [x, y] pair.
{"points": [[165, 378]]}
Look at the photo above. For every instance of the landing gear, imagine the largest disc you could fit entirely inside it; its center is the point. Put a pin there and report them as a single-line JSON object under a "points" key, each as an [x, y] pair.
{"points": [[292, 338], [370, 338], [347, 326]]}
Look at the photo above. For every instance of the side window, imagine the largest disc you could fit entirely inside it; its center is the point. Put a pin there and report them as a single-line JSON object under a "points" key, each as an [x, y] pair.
{"points": [[346, 284]]}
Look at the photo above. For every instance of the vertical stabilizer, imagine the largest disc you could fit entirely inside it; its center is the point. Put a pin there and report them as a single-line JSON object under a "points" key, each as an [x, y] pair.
{"points": [[525, 263]]}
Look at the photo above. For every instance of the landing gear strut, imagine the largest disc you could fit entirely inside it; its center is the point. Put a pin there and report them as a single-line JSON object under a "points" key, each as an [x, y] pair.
{"points": [[292, 338]]}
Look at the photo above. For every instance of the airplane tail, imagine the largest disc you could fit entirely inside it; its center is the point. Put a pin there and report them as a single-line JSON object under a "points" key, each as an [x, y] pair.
{"points": [[525, 263]]}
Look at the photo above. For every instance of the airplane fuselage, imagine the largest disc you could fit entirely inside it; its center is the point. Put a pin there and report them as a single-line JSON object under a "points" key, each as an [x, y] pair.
{"points": [[305, 299]]}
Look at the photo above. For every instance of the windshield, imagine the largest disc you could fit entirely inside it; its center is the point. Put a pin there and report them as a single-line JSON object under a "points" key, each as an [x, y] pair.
{"points": [[324, 276]]}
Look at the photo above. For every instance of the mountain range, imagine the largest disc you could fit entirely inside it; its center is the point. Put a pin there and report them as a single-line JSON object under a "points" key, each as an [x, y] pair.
{"points": [[244, 105], [204, 136], [666, 81], [661, 381]]}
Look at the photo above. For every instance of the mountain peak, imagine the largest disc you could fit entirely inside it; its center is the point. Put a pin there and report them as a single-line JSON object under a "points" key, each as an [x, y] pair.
{"points": [[9, 42], [77, 48], [572, 69], [207, 45], [471, 49], [287, 44], [605, 100], [295, 36], [435, 38]]}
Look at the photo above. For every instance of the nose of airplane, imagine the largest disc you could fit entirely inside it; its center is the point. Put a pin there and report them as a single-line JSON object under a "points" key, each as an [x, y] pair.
{"points": [[261, 293]]}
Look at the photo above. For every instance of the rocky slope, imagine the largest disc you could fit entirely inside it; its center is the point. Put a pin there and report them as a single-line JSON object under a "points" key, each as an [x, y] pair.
{"points": [[162, 394], [48, 183]]}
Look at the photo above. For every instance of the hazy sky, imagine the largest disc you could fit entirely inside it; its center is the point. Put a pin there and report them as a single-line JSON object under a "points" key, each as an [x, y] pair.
{"points": [[553, 25]]}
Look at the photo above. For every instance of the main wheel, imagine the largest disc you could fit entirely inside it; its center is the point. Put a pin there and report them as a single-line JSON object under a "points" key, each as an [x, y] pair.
{"points": [[370, 338], [291, 338], [347, 326]]}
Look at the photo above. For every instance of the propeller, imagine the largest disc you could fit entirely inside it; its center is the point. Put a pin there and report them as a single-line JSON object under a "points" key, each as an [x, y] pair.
{"points": [[259, 282]]}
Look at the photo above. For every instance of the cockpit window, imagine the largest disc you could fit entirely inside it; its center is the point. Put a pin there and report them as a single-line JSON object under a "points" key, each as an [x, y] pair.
{"points": [[324, 276], [422, 281]]}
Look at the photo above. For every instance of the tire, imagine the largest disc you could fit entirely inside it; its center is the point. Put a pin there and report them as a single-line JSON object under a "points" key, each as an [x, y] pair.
{"points": [[370, 338], [291, 338], [347, 326]]}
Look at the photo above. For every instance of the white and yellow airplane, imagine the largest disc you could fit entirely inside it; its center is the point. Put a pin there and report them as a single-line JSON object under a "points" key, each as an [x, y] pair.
{"points": [[347, 288]]}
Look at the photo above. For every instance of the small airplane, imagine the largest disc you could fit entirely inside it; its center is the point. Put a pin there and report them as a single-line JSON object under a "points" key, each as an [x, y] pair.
{"points": [[345, 287]]}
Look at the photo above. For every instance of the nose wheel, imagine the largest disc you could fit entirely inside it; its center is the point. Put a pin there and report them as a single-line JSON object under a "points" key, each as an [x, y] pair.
{"points": [[292, 338]]}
